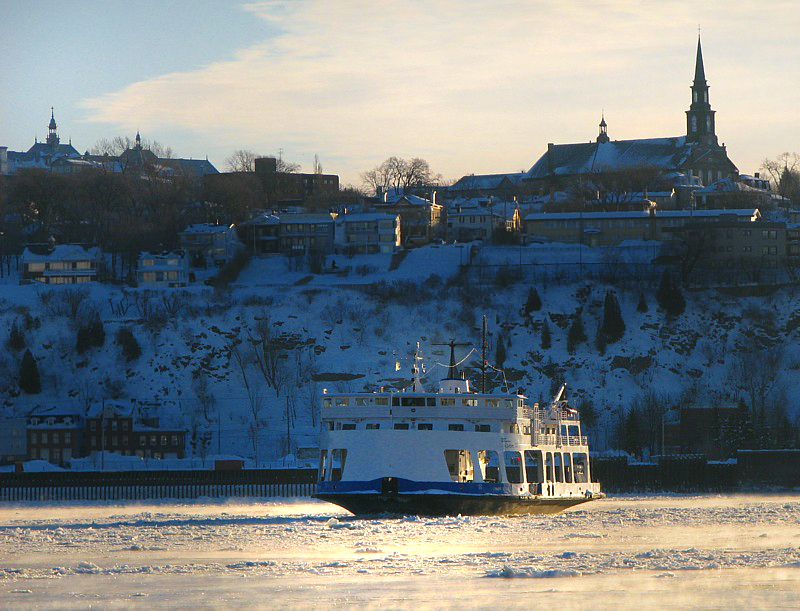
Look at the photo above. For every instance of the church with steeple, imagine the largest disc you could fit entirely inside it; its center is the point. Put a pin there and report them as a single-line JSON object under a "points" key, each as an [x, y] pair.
{"points": [[696, 158], [42, 155]]}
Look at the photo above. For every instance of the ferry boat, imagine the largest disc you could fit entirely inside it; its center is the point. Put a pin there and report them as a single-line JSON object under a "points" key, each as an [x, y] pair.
{"points": [[451, 452]]}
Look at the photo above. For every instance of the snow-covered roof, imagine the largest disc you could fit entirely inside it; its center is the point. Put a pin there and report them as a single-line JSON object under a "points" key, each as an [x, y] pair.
{"points": [[485, 181], [751, 213], [63, 252], [587, 157], [206, 228]]}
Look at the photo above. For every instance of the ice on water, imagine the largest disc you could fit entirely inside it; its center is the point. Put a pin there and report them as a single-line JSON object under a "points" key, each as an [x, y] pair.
{"points": [[302, 550]]}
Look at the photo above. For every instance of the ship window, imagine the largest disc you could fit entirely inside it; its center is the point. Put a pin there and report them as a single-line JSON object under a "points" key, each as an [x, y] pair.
{"points": [[382, 401], [425, 426], [431, 402], [395, 401], [455, 427], [362, 402], [412, 401], [326, 402], [328, 422], [492, 402], [567, 468], [513, 467], [548, 463], [459, 465], [447, 402], [514, 428], [490, 465], [581, 468], [342, 401], [559, 471], [373, 426], [508, 402], [533, 466], [469, 402], [401, 426], [338, 459], [348, 426], [483, 428]]}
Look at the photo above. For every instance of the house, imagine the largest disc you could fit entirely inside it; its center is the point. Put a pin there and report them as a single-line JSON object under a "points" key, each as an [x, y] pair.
{"points": [[475, 223], [13, 440], [61, 264], [209, 243], [421, 220], [303, 234], [611, 228], [368, 233], [54, 437], [739, 192], [163, 270], [730, 242], [113, 428], [501, 186], [261, 235]]}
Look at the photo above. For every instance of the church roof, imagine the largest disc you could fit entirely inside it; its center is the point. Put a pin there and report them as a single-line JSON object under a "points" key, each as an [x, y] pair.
{"points": [[615, 155]]}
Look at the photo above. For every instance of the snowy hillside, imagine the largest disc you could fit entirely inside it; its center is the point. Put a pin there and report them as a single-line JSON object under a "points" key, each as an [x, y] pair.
{"points": [[241, 369]]}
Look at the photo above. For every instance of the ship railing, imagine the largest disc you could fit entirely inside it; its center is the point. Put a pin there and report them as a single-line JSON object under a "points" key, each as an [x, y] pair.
{"points": [[560, 440]]}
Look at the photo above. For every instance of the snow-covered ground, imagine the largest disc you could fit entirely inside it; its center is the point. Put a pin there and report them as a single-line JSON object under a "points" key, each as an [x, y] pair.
{"points": [[355, 328], [658, 552]]}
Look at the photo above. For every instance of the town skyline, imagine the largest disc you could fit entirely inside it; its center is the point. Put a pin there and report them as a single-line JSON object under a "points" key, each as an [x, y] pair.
{"points": [[462, 86]]}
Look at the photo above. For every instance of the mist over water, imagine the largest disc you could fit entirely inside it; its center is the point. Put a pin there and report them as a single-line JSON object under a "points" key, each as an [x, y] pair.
{"points": [[671, 552]]}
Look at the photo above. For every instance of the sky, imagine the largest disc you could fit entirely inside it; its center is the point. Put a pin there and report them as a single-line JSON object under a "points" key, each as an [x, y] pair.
{"points": [[470, 86]]}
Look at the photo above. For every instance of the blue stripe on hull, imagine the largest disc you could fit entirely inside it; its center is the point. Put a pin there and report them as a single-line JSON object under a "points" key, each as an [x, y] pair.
{"points": [[406, 497]]}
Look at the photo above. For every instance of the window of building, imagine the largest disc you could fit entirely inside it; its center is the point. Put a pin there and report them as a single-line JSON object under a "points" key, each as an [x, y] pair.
{"points": [[401, 426], [425, 426], [373, 426], [175, 440], [56, 437], [163, 440], [455, 427], [483, 428], [348, 426]]}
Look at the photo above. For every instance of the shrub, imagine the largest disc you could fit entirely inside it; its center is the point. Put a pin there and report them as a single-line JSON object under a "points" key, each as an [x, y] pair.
{"points": [[613, 327], [16, 337], [546, 338]]}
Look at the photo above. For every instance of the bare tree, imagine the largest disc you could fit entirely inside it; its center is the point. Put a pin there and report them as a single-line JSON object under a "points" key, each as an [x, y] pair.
{"points": [[119, 144], [784, 174], [242, 160], [400, 174]]}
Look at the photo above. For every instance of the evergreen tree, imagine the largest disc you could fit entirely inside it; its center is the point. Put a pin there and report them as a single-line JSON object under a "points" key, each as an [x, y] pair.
{"points": [[546, 338], [500, 354], [130, 347], [534, 303], [97, 334], [613, 327], [16, 337], [669, 296], [664, 289], [29, 381], [677, 303], [630, 434], [642, 305], [83, 341], [576, 335]]}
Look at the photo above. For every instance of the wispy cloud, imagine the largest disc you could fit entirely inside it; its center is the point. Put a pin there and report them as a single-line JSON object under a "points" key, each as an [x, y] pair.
{"points": [[472, 86]]}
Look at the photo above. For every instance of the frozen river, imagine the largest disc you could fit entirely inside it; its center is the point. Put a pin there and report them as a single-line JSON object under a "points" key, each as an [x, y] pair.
{"points": [[666, 552]]}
